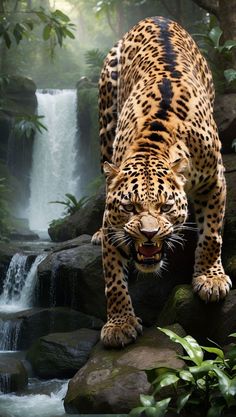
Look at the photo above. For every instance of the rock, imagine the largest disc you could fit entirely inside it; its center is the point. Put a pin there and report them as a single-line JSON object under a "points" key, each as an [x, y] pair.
{"points": [[112, 380], [87, 220], [23, 235], [213, 320], [73, 277], [13, 375], [225, 116], [60, 355], [36, 322], [229, 237], [17, 98]]}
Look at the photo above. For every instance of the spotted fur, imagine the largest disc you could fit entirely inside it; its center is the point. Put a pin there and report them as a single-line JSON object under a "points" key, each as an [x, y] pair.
{"points": [[159, 147]]}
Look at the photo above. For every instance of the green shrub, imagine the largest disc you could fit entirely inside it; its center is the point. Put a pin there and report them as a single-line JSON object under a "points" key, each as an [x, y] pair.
{"points": [[219, 55], [205, 387]]}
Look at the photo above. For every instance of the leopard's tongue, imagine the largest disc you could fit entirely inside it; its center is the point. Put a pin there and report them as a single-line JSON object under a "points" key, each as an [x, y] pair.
{"points": [[149, 250]]}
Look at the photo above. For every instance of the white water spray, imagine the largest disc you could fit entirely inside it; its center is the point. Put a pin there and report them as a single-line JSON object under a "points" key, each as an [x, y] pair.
{"points": [[19, 285], [54, 157]]}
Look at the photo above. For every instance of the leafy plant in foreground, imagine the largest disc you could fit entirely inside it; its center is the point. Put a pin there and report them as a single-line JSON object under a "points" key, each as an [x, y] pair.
{"points": [[204, 387]]}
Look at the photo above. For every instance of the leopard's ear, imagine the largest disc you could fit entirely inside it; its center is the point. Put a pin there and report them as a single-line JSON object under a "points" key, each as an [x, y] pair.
{"points": [[179, 161], [110, 170]]}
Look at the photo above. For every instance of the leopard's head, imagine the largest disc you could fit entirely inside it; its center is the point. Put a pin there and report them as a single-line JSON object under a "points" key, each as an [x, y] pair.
{"points": [[146, 206]]}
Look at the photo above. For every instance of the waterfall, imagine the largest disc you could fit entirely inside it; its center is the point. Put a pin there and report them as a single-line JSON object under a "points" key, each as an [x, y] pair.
{"points": [[19, 285], [9, 333], [54, 157]]}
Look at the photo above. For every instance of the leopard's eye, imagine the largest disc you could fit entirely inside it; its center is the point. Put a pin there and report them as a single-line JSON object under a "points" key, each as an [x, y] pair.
{"points": [[166, 207], [128, 207]]}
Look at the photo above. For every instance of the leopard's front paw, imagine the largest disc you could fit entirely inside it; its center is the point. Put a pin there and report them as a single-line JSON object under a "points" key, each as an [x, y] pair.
{"points": [[121, 331], [212, 288], [97, 237]]}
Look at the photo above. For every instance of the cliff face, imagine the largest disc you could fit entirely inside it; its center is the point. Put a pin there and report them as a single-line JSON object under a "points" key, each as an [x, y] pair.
{"points": [[17, 98]]}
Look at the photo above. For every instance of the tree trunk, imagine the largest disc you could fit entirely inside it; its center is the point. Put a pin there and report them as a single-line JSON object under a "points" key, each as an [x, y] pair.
{"points": [[227, 18]]}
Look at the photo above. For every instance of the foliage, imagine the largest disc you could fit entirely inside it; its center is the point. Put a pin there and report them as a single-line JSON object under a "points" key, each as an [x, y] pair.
{"points": [[27, 125], [94, 59], [220, 56], [209, 384], [56, 27], [72, 205]]}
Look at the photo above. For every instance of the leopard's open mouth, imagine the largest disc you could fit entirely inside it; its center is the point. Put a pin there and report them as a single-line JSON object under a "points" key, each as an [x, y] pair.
{"points": [[148, 253]]}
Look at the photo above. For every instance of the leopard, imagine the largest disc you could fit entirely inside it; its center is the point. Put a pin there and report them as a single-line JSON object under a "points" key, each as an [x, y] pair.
{"points": [[160, 149]]}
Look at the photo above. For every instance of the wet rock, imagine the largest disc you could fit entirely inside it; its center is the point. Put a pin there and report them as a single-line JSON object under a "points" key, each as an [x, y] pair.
{"points": [[213, 320], [13, 375], [112, 380], [86, 220], [38, 322], [23, 235], [60, 355], [73, 277], [225, 116]]}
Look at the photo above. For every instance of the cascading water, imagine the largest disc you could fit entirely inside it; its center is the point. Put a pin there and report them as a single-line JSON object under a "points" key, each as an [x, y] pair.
{"points": [[19, 285], [17, 295], [54, 157]]}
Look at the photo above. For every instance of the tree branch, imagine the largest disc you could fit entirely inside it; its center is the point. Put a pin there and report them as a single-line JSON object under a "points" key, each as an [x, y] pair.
{"points": [[211, 6]]}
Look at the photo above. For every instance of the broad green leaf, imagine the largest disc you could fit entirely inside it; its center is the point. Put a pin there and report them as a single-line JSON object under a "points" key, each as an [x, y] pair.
{"points": [[165, 380], [205, 367], [159, 410], [227, 386], [147, 400], [7, 39], [47, 32], [188, 343], [217, 351], [68, 33], [182, 400], [230, 76], [232, 335], [61, 15], [42, 16], [186, 376], [136, 412], [229, 44], [215, 35]]}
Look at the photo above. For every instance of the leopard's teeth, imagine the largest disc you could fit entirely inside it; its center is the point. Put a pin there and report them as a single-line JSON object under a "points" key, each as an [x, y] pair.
{"points": [[157, 256], [140, 257]]}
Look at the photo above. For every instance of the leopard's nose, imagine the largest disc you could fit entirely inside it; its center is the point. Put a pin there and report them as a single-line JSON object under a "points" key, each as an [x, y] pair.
{"points": [[149, 233]]}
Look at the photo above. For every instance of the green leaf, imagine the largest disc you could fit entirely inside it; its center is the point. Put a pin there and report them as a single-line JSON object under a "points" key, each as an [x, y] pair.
{"points": [[165, 380], [7, 39], [191, 346], [182, 400], [218, 352], [147, 400], [61, 15], [230, 76], [47, 32], [215, 35], [42, 16], [68, 33], [136, 412], [186, 376], [232, 335], [229, 44], [227, 386]]}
